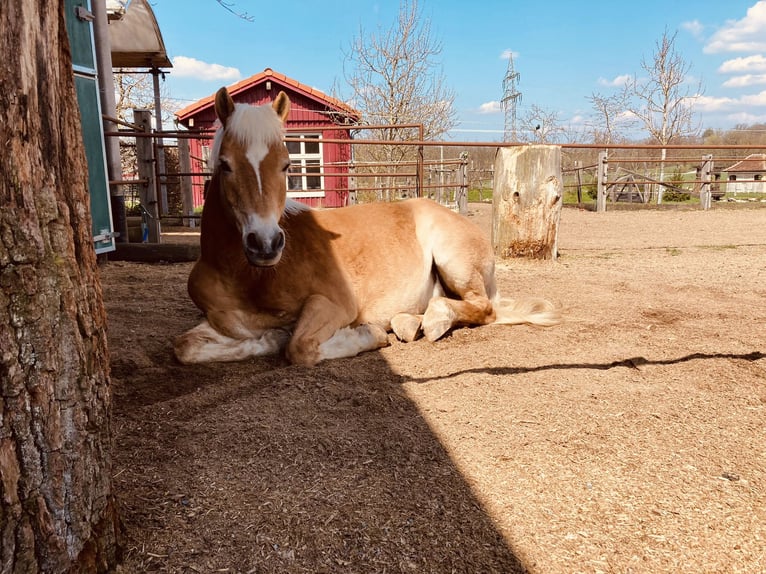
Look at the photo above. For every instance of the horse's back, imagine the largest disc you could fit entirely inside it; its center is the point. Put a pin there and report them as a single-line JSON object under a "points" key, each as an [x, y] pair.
{"points": [[396, 254]]}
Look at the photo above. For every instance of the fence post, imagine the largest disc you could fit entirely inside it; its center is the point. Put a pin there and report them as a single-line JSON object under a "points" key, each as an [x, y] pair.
{"points": [[601, 170], [526, 201], [462, 190], [148, 193], [184, 166], [706, 175]]}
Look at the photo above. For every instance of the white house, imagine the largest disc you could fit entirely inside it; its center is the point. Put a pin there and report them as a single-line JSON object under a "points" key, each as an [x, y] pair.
{"points": [[746, 176]]}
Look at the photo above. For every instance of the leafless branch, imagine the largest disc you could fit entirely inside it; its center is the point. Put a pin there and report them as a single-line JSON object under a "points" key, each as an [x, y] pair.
{"points": [[230, 7]]}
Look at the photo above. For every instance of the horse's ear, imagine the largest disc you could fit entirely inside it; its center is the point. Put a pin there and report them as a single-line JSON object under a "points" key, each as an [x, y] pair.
{"points": [[281, 105], [224, 105]]}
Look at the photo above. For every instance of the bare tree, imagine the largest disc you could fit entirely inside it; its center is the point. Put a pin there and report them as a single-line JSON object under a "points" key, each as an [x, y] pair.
{"points": [[395, 78], [136, 90], [609, 117], [540, 125], [663, 101]]}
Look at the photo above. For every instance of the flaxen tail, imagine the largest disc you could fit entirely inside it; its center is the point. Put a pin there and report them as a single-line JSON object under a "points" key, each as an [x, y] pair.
{"points": [[532, 310]]}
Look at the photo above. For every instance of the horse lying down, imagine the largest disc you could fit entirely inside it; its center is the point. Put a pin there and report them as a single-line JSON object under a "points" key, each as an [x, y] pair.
{"points": [[274, 275]]}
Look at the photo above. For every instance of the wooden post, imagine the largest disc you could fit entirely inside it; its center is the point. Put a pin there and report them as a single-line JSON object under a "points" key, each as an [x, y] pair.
{"points": [[462, 190], [184, 166], [148, 193], [601, 170], [706, 175], [526, 201], [578, 168]]}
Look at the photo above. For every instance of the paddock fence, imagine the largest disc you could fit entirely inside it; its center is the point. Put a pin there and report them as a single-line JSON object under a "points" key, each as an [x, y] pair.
{"points": [[163, 184]]}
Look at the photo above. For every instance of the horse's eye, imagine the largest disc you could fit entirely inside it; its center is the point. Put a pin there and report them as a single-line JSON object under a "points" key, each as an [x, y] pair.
{"points": [[286, 167], [224, 165]]}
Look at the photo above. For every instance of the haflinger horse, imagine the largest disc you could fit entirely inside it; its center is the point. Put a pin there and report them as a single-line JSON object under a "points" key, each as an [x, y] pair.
{"points": [[275, 275]]}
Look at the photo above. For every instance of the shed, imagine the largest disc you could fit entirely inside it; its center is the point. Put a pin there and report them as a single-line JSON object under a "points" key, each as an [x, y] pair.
{"points": [[746, 176], [319, 172]]}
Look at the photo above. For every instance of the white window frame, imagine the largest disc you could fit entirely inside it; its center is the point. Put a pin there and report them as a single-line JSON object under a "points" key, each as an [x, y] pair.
{"points": [[299, 163]]}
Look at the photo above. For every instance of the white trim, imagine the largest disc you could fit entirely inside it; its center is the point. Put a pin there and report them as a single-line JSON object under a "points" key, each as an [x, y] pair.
{"points": [[302, 159]]}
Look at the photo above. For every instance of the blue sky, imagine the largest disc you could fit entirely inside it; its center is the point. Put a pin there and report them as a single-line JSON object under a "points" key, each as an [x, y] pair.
{"points": [[564, 50]]}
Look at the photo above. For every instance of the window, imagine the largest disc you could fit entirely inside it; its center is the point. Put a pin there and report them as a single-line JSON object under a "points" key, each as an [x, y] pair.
{"points": [[304, 178]]}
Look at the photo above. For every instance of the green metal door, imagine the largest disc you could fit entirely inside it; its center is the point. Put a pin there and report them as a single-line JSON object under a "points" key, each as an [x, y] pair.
{"points": [[79, 23]]}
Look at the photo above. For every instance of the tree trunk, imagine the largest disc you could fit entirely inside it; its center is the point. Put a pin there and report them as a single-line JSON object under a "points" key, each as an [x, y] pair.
{"points": [[57, 512], [526, 201]]}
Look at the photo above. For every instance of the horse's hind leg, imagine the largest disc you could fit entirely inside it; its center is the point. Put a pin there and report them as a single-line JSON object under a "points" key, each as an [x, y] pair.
{"points": [[467, 274], [443, 314]]}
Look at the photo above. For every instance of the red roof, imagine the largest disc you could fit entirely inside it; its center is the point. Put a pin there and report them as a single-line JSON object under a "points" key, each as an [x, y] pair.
{"points": [[752, 163], [269, 74]]}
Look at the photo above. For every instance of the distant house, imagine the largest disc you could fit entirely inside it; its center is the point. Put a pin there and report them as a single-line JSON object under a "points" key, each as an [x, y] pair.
{"points": [[746, 176], [319, 172]]}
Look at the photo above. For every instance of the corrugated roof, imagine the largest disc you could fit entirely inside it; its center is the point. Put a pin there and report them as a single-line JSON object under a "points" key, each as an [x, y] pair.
{"points": [[752, 163], [269, 74], [136, 39]]}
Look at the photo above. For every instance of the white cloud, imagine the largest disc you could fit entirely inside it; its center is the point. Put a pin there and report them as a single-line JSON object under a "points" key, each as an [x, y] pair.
{"points": [[694, 26], [616, 82], [506, 55], [746, 118], [577, 119], [184, 67], [745, 35], [754, 99], [715, 104], [712, 104], [745, 81], [493, 107], [755, 63]]}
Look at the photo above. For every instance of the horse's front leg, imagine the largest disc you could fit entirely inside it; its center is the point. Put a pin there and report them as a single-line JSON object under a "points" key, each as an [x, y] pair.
{"points": [[204, 344], [323, 331]]}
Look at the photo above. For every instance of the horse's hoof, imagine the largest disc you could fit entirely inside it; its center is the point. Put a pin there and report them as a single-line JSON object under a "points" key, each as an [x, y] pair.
{"points": [[307, 356], [438, 319], [405, 326], [379, 334]]}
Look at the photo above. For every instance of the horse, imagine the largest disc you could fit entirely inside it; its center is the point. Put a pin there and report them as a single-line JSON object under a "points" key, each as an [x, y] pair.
{"points": [[276, 276]]}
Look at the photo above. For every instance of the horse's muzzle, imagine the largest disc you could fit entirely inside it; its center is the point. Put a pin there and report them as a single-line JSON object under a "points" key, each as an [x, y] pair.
{"points": [[264, 251]]}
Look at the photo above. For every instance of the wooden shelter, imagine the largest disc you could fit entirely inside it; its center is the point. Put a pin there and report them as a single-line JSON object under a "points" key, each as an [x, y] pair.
{"points": [[319, 175]]}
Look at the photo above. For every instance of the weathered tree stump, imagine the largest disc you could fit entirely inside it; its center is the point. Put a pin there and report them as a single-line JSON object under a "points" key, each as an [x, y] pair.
{"points": [[526, 202]]}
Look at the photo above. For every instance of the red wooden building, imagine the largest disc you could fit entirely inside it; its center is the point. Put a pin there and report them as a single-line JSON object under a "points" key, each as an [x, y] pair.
{"points": [[319, 172]]}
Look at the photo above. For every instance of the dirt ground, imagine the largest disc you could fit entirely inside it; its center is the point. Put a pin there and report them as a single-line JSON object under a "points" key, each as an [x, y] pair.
{"points": [[631, 438]]}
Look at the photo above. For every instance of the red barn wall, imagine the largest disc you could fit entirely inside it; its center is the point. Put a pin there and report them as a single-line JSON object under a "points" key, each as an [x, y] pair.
{"points": [[306, 115]]}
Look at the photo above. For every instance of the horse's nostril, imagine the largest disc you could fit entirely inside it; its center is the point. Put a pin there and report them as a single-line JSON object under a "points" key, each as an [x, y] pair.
{"points": [[279, 241], [251, 240]]}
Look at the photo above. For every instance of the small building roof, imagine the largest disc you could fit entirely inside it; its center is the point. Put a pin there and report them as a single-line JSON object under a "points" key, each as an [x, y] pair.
{"points": [[270, 75], [753, 163], [136, 39]]}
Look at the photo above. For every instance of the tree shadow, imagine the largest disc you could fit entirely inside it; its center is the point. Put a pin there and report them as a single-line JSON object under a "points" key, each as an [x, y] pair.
{"points": [[630, 363], [260, 466]]}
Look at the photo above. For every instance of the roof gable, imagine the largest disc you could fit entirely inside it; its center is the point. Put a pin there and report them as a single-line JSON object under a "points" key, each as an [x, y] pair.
{"points": [[288, 84], [753, 163]]}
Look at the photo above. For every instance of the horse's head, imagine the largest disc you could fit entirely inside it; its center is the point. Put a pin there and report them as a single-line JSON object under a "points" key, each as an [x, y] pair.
{"points": [[250, 165]]}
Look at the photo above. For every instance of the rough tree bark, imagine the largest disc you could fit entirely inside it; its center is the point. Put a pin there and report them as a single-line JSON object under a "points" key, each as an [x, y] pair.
{"points": [[57, 513], [526, 201]]}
